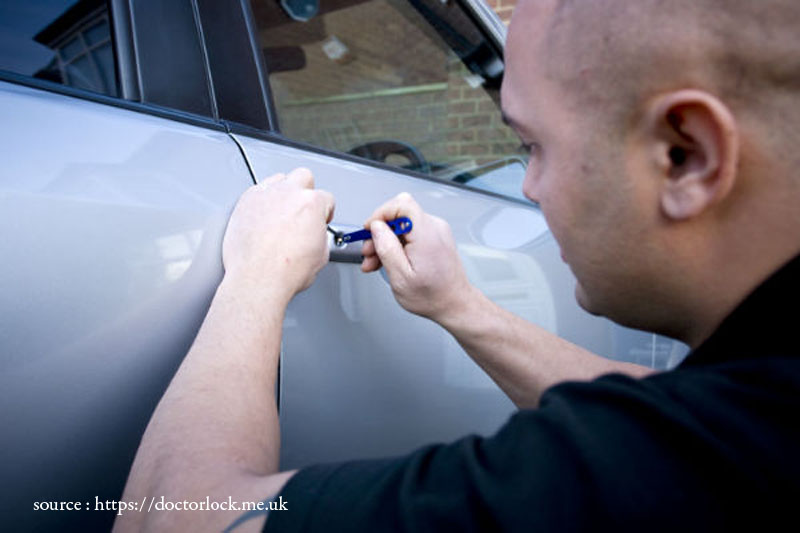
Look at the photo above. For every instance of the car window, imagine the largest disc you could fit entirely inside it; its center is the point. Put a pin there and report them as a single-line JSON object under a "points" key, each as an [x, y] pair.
{"points": [[63, 41], [410, 83]]}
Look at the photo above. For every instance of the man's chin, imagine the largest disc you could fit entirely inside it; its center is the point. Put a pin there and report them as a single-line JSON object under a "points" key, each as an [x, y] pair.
{"points": [[584, 301]]}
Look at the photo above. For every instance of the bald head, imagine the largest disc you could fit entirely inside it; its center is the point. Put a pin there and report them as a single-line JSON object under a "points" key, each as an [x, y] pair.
{"points": [[616, 53]]}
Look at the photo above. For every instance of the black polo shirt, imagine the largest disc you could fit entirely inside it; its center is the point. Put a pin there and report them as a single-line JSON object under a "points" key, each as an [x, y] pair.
{"points": [[713, 445]]}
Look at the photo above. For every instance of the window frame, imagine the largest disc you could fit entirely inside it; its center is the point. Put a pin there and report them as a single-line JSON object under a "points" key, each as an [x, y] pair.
{"points": [[232, 53]]}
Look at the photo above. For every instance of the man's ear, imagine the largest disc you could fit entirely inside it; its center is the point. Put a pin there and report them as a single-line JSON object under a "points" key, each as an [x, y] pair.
{"points": [[697, 150]]}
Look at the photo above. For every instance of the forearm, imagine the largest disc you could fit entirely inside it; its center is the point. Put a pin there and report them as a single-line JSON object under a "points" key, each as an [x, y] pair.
{"points": [[523, 358], [218, 420]]}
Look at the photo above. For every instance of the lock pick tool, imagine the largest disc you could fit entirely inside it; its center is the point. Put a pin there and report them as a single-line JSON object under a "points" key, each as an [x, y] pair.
{"points": [[400, 226]]}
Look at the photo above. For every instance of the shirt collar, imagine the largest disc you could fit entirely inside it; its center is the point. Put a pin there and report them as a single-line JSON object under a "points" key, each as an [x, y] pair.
{"points": [[763, 324]]}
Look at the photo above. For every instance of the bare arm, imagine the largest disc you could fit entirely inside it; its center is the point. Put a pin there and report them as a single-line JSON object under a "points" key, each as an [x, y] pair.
{"points": [[215, 432], [521, 357], [428, 279]]}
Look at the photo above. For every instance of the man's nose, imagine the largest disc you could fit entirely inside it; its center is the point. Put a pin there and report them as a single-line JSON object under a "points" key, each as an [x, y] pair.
{"points": [[530, 186]]}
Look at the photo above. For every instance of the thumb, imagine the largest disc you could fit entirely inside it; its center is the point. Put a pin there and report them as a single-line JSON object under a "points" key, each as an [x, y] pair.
{"points": [[389, 249]]}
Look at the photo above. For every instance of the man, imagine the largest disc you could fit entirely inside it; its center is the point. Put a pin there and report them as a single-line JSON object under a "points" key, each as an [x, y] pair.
{"points": [[662, 139]]}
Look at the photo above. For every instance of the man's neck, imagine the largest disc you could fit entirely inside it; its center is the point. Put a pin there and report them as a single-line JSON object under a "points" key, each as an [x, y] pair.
{"points": [[723, 288]]}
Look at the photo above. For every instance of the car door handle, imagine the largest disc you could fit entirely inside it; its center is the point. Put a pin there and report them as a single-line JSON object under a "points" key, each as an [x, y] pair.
{"points": [[346, 252]]}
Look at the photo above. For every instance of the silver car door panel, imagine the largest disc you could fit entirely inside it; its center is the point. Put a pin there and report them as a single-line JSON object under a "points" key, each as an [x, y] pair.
{"points": [[111, 225]]}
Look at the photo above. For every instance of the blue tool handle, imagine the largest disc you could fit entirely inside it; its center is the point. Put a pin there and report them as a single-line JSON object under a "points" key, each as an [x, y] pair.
{"points": [[399, 226]]}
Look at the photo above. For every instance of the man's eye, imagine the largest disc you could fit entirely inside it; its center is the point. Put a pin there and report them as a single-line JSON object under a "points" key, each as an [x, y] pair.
{"points": [[527, 148]]}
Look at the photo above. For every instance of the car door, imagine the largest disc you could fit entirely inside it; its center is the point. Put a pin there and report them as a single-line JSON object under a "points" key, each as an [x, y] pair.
{"points": [[115, 189], [379, 97]]}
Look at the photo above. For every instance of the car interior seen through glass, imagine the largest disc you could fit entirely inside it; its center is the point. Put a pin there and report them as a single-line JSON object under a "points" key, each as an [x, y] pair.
{"points": [[410, 83]]}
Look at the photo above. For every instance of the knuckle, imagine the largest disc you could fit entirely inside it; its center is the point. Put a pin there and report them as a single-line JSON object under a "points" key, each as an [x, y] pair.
{"points": [[273, 178], [324, 201], [305, 200], [303, 176], [326, 198]]}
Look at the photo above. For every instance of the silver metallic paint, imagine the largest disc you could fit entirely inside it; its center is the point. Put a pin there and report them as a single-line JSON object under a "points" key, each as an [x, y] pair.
{"points": [[110, 234]]}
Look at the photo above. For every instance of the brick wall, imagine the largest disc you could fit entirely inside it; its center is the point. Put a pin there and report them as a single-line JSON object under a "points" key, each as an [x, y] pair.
{"points": [[475, 131], [451, 123], [503, 8]]}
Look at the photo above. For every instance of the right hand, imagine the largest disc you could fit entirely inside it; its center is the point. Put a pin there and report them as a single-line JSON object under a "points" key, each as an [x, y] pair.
{"points": [[425, 273]]}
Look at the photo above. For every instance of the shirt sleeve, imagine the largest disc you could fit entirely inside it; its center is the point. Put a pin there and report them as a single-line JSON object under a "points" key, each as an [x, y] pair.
{"points": [[616, 452]]}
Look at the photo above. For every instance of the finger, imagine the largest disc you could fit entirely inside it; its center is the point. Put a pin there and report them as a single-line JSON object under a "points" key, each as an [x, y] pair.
{"points": [[328, 204], [389, 250], [275, 178], [370, 264], [368, 248], [325, 256], [301, 177], [402, 205]]}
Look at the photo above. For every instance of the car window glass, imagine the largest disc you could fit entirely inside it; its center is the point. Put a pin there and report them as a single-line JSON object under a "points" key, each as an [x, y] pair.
{"points": [[63, 41], [410, 83]]}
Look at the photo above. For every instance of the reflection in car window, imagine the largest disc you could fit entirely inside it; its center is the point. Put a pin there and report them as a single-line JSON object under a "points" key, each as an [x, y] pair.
{"points": [[63, 41], [411, 83]]}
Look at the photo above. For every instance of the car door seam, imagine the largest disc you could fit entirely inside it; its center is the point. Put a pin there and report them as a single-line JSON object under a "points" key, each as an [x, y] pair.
{"points": [[244, 154], [206, 63]]}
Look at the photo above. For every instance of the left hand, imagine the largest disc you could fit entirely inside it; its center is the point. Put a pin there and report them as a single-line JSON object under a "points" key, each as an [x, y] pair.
{"points": [[277, 236]]}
